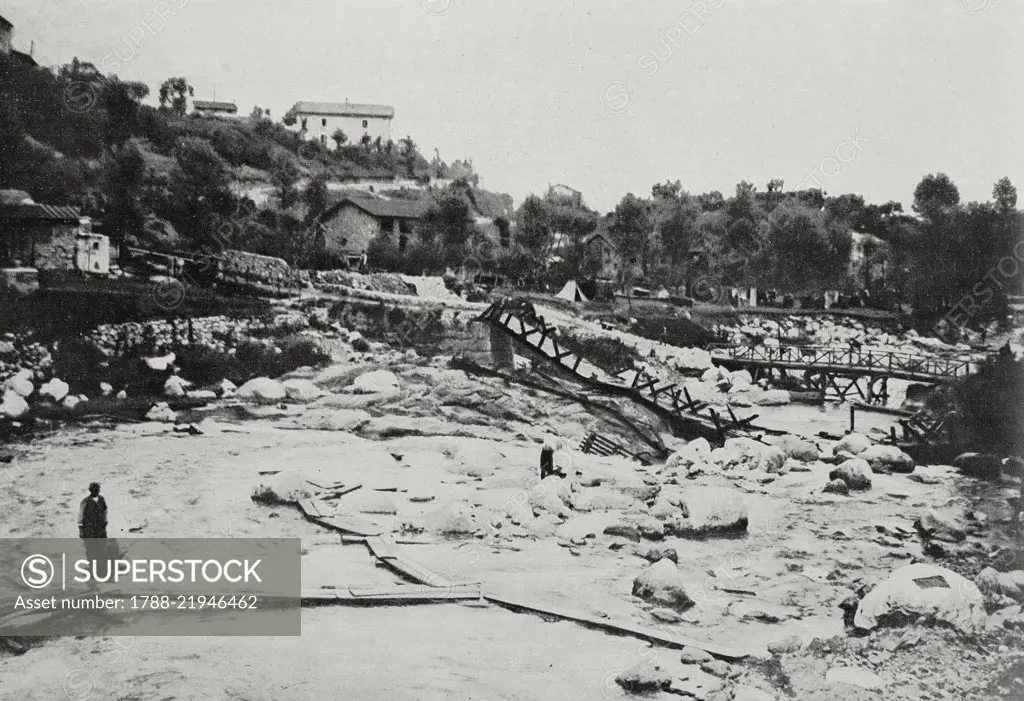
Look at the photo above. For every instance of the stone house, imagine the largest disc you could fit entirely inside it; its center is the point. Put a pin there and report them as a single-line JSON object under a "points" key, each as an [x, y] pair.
{"points": [[317, 121], [353, 222], [39, 236], [599, 248]]}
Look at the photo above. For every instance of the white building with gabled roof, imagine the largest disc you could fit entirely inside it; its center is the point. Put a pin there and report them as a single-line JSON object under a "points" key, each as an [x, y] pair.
{"points": [[318, 121]]}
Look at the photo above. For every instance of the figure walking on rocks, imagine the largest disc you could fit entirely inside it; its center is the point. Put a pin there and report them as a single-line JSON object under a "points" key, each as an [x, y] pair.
{"points": [[547, 462]]}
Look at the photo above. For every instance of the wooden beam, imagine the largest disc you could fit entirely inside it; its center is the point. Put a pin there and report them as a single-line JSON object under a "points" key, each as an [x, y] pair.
{"points": [[621, 627]]}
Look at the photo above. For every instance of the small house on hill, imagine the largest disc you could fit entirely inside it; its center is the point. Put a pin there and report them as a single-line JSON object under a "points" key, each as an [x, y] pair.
{"points": [[208, 108], [7, 45], [317, 121]]}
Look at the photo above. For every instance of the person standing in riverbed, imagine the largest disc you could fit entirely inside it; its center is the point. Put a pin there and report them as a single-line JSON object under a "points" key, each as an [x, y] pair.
{"points": [[92, 524]]}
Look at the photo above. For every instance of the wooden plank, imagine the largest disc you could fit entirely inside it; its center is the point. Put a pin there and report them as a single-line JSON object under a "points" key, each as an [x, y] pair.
{"points": [[309, 508], [652, 635], [411, 590], [340, 597], [349, 524], [384, 549]]}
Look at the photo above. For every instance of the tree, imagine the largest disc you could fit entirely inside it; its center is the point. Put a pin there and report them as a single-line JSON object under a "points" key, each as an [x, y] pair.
{"points": [[533, 228], [407, 150], [174, 93], [125, 170], [340, 137], [1005, 195], [446, 225], [936, 197], [316, 198], [121, 102], [668, 190], [257, 112], [808, 252], [711, 201], [284, 176], [631, 230], [200, 196], [366, 141]]}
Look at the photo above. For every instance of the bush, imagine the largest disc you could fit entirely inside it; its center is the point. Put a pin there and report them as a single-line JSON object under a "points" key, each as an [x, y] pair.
{"points": [[610, 354]]}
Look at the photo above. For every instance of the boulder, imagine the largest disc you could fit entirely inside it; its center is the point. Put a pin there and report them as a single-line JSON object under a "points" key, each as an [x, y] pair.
{"points": [[923, 590], [992, 582], [794, 447], [263, 390], [661, 583], [283, 488], [980, 465], [718, 668], [856, 473], [623, 530], [655, 554], [741, 377], [201, 394], [227, 388], [55, 389], [934, 526], [774, 397], [751, 693], [70, 402], [782, 646], [345, 420], [375, 382], [358, 343], [771, 459], [20, 384], [694, 655], [837, 486], [853, 443], [711, 510], [175, 386], [13, 405], [161, 412], [644, 678], [663, 510], [106, 389], [695, 451], [301, 391], [887, 458]]}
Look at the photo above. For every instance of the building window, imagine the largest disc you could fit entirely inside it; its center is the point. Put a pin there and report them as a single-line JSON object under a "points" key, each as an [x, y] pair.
{"points": [[323, 122], [405, 226], [387, 225], [323, 139], [366, 123]]}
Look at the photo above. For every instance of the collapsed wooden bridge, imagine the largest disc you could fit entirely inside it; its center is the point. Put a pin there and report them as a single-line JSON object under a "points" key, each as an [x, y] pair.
{"points": [[843, 372], [689, 417]]}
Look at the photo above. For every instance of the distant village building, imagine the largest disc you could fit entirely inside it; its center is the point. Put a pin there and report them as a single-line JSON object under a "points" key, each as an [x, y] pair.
{"points": [[318, 121], [7, 44], [868, 258], [353, 222], [48, 237], [600, 249], [207, 108], [566, 192]]}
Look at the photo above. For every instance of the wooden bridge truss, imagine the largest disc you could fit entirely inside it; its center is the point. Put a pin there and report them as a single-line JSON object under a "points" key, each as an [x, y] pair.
{"points": [[518, 320]]}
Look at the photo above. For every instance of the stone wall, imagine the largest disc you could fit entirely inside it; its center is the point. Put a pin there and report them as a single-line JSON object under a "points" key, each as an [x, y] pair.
{"points": [[350, 231], [57, 252]]}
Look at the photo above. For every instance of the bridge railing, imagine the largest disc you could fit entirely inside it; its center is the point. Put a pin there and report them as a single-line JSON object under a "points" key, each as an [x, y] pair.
{"points": [[873, 359]]}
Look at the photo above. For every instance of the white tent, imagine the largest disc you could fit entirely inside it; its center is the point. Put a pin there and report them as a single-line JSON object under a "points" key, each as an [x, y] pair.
{"points": [[571, 292]]}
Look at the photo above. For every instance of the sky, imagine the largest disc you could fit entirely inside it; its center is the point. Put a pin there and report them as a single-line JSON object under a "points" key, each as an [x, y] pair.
{"points": [[606, 96]]}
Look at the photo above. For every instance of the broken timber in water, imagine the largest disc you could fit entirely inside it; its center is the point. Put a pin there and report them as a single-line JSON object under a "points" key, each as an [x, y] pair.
{"points": [[689, 417]]}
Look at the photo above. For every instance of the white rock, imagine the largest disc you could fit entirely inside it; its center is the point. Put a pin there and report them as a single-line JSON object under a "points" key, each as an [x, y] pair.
{"points": [[302, 391], [70, 402], [161, 412], [661, 583], [887, 457], [176, 386], [20, 384], [201, 394], [263, 390], [855, 676], [924, 590], [707, 510], [13, 405], [375, 382], [106, 389], [283, 488], [854, 443], [345, 420]]}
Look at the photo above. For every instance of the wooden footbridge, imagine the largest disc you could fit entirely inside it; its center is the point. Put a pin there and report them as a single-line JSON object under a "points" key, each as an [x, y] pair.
{"points": [[690, 418], [843, 371]]}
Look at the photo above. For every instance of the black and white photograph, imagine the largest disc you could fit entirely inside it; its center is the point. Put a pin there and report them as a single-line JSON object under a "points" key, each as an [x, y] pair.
{"points": [[444, 350]]}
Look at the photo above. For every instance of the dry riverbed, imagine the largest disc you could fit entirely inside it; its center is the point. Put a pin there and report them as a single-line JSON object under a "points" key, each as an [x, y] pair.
{"points": [[453, 459]]}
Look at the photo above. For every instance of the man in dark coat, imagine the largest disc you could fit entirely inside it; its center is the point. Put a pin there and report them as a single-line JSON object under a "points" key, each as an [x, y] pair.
{"points": [[92, 526]]}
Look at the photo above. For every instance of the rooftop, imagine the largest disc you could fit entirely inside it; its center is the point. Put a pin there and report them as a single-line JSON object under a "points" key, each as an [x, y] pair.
{"points": [[344, 109], [4, 23], [378, 207], [216, 106], [39, 213]]}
